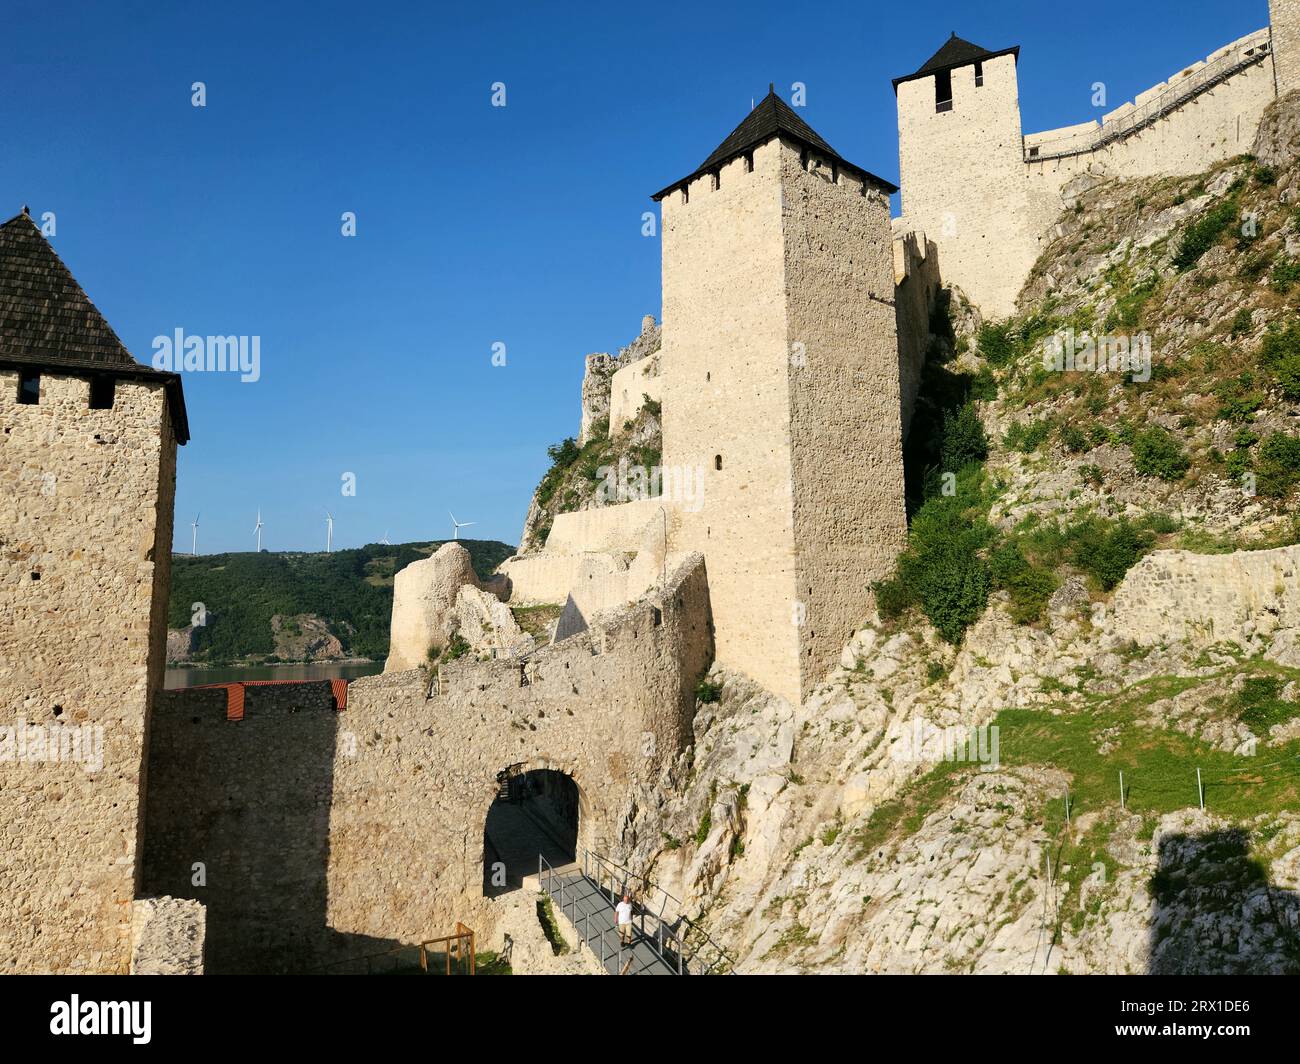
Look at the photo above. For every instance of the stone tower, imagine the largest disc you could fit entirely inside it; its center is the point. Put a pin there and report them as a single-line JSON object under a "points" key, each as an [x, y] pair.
{"points": [[780, 364], [1284, 21], [961, 163], [87, 479]]}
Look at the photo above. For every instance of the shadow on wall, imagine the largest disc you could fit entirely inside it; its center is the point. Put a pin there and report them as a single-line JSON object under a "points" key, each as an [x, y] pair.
{"points": [[1213, 911], [534, 812], [237, 817]]}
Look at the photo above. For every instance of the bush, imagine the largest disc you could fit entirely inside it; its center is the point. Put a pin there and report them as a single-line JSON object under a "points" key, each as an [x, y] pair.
{"points": [[1203, 233], [707, 692], [1279, 353], [1029, 587], [1286, 275], [1104, 550], [1158, 454], [1074, 439], [998, 342], [1242, 322], [964, 442], [1279, 465]]}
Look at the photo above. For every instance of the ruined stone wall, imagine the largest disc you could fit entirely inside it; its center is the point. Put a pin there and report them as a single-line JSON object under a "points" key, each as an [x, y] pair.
{"points": [[629, 388], [247, 801], [726, 353], [602, 528], [1247, 597], [1284, 21], [962, 173], [917, 284], [845, 409], [410, 799], [85, 536]]}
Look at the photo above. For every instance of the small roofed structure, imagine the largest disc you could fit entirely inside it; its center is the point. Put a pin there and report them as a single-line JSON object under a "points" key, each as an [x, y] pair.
{"points": [[955, 53]]}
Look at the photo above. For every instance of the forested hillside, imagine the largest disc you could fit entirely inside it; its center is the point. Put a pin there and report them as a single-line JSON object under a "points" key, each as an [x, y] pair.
{"points": [[351, 591]]}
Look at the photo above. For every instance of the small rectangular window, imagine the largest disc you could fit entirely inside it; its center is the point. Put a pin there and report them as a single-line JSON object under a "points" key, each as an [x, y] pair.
{"points": [[979, 74], [686, 194], [29, 388], [717, 180], [943, 91], [1033, 152], [749, 162], [101, 393]]}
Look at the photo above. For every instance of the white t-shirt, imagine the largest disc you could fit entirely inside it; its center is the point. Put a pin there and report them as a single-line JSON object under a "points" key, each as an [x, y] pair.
{"points": [[624, 912]]}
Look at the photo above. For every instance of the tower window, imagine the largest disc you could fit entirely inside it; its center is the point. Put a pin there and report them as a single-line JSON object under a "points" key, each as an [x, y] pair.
{"points": [[1033, 153], [29, 388], [979, 74], [717, 461], [943, 91], [749, 162], [717, 180], [686, 194], [101, 393]]}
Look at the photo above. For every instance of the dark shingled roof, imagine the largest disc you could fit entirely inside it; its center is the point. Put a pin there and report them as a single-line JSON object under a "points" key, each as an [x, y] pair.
{"points": [[48, 322], [954, 53], [772, 117]]}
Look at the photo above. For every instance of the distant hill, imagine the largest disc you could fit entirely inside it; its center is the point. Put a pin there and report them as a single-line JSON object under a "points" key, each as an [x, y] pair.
{"points": [[351, 591]]}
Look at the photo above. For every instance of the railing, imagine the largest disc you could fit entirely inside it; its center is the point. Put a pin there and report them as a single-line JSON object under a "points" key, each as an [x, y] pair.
{"points": [[1201, 80], [691, 950], [459, 956]]}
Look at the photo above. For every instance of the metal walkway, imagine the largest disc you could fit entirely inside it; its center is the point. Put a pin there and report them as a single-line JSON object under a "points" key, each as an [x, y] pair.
{"points": [[589, 909]]}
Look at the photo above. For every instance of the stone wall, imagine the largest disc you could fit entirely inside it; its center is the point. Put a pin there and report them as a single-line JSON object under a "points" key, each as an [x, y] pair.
{"points": [[615, 527], [629, 388], [917, 284], [410, 799], [237, 817], [85, 534], [167, 936], [1251, 598], [1284, 21]]}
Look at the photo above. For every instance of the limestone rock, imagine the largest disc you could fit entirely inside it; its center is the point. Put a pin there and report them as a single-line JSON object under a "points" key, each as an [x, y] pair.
{"points": [[424, 598]]}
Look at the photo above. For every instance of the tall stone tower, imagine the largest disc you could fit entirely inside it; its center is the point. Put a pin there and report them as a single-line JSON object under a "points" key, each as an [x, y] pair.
{"points": [[961, 163], [1284, 21], [780, 364], [87, 479]]}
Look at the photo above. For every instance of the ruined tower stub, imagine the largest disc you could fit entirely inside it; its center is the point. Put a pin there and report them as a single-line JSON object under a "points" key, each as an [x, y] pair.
{"points": [[961, 164], [1284, 21], [87, 464], [781, 385]]}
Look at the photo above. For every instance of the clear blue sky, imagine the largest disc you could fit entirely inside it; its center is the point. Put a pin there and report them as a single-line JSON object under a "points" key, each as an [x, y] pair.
{"points": [[475, 224]]}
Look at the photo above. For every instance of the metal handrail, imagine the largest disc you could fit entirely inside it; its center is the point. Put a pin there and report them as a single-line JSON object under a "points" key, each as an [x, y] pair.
{"points": [[669, 943], [1200, 80]]}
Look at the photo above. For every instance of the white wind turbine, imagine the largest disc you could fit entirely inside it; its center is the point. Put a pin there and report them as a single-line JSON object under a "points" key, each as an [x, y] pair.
{"points": [[194, 542], [457, 525], [257, 529], [329, 531], [384, 541]]}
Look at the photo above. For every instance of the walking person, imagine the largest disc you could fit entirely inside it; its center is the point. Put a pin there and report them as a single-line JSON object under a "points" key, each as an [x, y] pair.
{"points": [[623, 916]]}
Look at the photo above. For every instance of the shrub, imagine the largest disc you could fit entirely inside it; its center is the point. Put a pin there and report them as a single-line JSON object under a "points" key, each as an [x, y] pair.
{"points": [[1158, 454], [1286, 274], [1105, 550], [1074, 439], [998, 342], [964, 442], [1242, 322], [1027, 436], [1279, 353], [708, 692], [1203, 233], [1238, 398], [1279, 465], [1028, 586]]}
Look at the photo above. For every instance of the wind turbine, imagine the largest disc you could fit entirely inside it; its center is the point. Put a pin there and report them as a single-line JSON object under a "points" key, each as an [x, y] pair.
{"points": [[384, 541], [329, 531], [457, 525], [194, 542], [257, 529]]}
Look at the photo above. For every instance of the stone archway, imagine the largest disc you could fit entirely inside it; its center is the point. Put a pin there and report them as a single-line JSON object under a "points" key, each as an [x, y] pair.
{"points": [[537, 810]]}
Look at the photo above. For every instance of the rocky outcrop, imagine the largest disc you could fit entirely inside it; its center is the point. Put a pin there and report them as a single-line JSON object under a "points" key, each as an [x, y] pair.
{"points": [[424, 598], [167, 936], [305, 637]]}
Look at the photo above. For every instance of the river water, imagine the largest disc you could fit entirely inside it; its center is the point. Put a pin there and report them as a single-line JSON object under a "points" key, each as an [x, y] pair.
{"points": [[177, 678]]}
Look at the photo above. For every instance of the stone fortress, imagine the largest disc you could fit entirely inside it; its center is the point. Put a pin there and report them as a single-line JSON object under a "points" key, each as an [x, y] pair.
{"points": [[795, 325]]}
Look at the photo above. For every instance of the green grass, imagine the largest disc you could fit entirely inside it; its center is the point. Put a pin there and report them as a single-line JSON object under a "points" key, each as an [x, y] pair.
{"points": [[551, 929]]}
